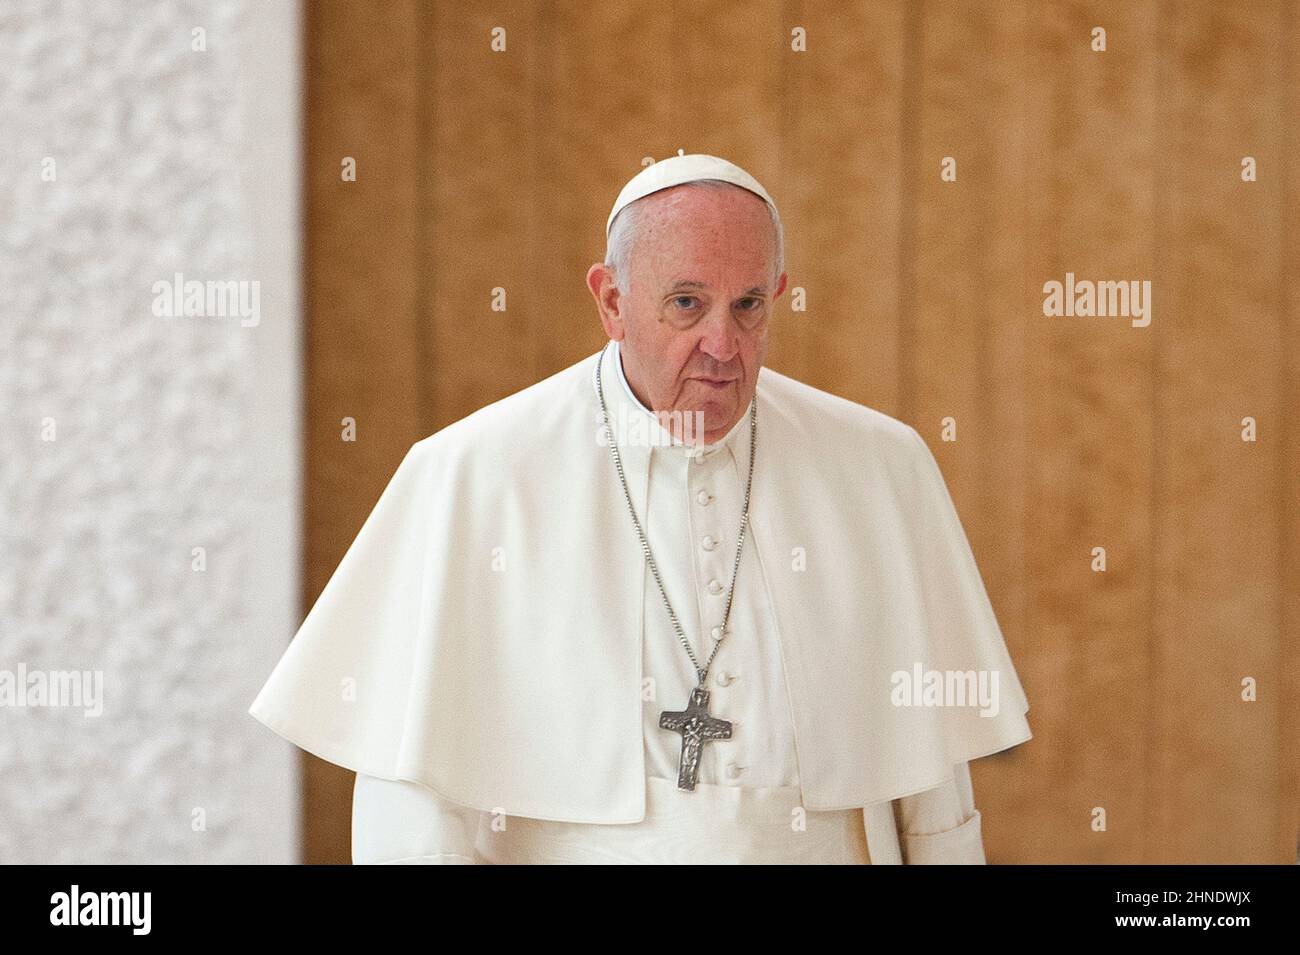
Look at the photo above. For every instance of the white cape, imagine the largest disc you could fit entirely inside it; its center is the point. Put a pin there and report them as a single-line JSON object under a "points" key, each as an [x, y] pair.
{"points": [[519, 689]]}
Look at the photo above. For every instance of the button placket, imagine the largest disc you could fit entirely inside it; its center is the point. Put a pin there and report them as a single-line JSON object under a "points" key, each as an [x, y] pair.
{"points": [[711, 567], [714, 565]]}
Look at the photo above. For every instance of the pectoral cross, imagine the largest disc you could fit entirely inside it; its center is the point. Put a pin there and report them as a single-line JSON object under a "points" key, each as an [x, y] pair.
{"points": [[697, 728]]}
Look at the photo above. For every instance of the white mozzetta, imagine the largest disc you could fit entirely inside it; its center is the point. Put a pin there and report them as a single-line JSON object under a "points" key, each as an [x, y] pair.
{"points": [[504, 646]]}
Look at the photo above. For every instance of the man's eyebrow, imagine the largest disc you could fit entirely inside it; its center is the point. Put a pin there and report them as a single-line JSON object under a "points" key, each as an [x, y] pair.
{"points": [[688, 283]]}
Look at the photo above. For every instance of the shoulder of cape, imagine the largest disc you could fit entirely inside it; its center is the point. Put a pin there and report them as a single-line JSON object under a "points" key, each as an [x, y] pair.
{"points": [[833, 427], [517, 426]]}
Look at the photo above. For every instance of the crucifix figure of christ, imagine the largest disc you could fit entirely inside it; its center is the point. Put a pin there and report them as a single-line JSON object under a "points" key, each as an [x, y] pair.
{"points": [[697, 728]]}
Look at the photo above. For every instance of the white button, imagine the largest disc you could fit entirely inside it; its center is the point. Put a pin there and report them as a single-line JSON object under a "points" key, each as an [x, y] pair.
{"points": [[734, 771], [716, 633], [704, 497], [708, 543], [715, 588], [725, 679]]}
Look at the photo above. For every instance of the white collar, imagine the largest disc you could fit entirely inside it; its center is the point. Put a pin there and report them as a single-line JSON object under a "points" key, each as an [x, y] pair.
{"points": [[618, 365]]}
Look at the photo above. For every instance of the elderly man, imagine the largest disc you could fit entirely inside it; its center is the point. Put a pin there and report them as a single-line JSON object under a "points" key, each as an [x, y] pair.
{"points": [[666, 605]]}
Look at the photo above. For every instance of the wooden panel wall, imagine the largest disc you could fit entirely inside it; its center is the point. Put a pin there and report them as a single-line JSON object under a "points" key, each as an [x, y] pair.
{"points": [[480, 170]]}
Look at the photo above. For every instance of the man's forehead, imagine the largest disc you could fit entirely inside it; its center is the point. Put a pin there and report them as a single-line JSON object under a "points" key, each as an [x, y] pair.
{"points": [[696, 285]]}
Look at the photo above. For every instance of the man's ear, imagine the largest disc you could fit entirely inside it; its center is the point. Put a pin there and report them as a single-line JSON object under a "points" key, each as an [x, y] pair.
{"points": [[604, 289], [780, 286]]}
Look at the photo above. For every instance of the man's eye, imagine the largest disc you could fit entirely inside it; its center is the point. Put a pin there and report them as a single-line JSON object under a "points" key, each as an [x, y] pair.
{"points": [[685, 298], [755, 304]]}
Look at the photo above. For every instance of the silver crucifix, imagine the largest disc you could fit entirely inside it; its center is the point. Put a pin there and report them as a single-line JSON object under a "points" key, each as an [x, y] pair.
{"points": [[697, 728]]}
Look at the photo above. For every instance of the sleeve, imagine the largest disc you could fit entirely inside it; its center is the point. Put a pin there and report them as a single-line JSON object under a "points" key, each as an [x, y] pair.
{"points": [[941, 826], [400, 822]]}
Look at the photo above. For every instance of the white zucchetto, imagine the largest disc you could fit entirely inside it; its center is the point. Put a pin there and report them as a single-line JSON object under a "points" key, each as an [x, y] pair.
{"points": [[681, 169]]}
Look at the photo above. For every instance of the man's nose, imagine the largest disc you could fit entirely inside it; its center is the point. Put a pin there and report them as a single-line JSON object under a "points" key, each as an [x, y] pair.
{"points": [[720, 338]]}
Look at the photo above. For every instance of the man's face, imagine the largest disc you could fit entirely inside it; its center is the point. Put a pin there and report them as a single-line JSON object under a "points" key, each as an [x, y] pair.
{"points": [[693, 324]]}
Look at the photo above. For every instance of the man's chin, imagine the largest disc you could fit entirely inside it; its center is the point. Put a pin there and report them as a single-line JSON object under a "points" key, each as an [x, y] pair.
{"points": [[719, 417]]}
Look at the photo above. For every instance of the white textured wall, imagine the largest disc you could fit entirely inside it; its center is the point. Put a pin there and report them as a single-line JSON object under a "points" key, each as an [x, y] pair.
{"points": [[169, 433]]}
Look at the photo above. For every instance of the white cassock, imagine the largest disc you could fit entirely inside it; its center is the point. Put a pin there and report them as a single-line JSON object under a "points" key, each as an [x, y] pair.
{"points": [[492, 654]]}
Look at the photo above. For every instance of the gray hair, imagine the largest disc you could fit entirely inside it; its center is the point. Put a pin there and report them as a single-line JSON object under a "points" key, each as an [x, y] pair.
{"points": [[623, 234]]}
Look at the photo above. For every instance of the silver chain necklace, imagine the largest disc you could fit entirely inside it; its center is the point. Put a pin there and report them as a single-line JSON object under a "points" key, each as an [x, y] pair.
{"points": [[694, 723]]}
